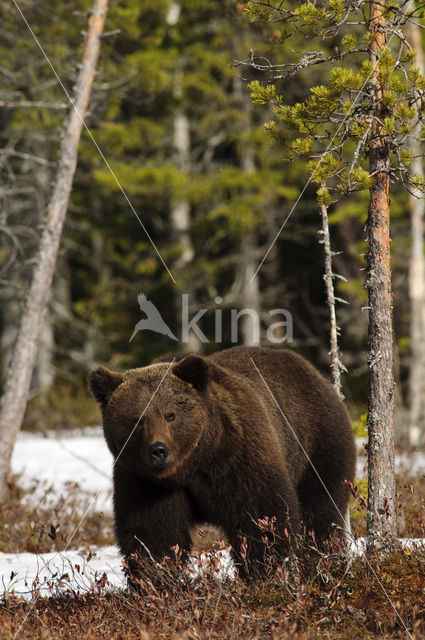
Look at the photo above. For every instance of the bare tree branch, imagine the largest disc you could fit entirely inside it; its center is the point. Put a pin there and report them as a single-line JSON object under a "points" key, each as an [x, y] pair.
{"points": [[25, 104], [336, 364]]}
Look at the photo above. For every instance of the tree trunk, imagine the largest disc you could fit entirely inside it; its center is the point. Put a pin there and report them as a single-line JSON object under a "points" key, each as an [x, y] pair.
{"points": [[417, 282], [381, 517], [18, 379], [250, 285], [250, 291], [336, 365], [180, 209], [250, 294], [43, 374]]}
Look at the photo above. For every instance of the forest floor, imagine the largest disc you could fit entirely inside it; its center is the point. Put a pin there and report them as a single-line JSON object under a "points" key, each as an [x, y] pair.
{"points": [[62, 577]]}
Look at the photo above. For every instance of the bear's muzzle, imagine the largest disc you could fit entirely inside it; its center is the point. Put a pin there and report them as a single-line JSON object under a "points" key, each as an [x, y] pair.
{"points": [[158, 453]]}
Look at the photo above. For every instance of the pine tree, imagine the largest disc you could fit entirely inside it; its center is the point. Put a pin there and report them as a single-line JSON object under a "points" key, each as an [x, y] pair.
{"points": [[223, 201], [366, 108]]}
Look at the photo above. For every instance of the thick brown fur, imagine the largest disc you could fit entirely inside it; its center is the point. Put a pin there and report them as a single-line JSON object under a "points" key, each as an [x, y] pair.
{"points": [[236, 452]]}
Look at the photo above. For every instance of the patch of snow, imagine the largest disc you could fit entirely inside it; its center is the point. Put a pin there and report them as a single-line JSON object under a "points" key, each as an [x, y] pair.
{"points": [[409, 464], [54, 462], [412, 464], [57, 460], [358, 546], [28, 574], [220, 564]]}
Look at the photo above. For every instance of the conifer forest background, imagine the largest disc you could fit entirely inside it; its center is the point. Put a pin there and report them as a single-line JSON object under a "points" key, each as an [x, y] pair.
{"points": [[173, 114]]}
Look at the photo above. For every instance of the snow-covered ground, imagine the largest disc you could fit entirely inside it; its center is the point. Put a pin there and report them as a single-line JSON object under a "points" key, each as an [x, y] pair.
{"points": [[82, 456], [47, 574], [55, 460], [412, 464], [52, 463]]}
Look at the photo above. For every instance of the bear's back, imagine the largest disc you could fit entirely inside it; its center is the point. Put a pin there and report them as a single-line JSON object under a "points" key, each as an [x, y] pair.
{"points": [[304, 405], [282, 375]]}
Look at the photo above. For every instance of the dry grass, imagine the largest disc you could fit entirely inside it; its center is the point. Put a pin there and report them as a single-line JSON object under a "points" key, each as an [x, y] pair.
{"points": [[39, 526], [321, 595], [410, 507], [324, 596]]}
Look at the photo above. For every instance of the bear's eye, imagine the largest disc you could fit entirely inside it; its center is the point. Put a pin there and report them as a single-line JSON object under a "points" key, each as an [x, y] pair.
{"points": [[170, 417], [139, 422]]}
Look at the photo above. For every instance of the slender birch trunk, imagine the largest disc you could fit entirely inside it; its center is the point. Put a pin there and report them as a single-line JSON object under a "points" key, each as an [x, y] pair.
{"points": [[329, 276], [18, 379], [417, 281], [43, 374], [381, 517], [250, 293], [250, 285], [180, 208]]}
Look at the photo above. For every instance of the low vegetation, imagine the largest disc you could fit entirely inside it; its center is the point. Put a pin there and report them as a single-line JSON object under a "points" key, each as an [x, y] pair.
{"points": [[324, 596], [320, 595], [40, 525]]}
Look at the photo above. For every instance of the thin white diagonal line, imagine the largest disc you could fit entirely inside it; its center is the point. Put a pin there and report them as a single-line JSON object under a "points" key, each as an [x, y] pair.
{"points": [[95, 497], [327, 491], [288, 216], [144, 410], [327, 149], [130, 204], [300, 444], [122, 448]]}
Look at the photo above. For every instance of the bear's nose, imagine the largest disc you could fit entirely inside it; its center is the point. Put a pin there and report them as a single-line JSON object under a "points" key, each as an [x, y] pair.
{"points": [[157, 453]]}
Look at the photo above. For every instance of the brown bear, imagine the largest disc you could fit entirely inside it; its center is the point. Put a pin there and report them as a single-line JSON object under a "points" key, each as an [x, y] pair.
{"points": [[225, 439]]}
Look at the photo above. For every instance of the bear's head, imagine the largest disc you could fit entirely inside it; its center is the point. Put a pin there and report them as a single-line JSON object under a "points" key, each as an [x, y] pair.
{"points": [[155, 418]]}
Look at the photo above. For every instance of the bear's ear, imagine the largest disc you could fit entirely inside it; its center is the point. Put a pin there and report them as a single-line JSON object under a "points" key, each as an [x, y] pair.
{"points": [[102, 383], [192, 369]]}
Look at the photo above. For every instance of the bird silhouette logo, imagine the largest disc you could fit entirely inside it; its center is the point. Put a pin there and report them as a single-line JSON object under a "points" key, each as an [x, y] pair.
{"points": [[153, 321]]}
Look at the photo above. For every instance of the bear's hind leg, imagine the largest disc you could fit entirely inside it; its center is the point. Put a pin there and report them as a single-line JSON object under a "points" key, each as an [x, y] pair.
{"points": [[278, 537], [324, 510]]}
